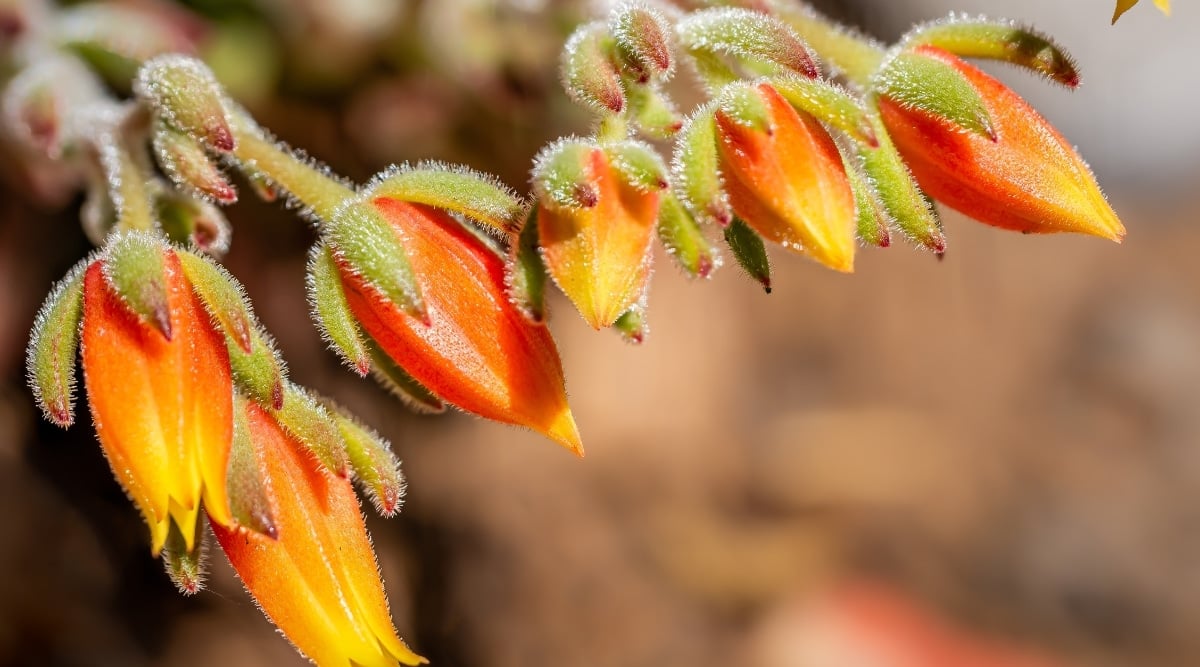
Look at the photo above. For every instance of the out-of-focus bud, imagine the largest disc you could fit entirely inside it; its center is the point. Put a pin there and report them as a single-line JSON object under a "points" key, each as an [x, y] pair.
{"points": [[187, 164], [749, 251], [162, 405], [784, 176], [117, 37], [473, 348], [598, 249], [589, 73], [1027, 179], [186, 96], [316, 578], [37, 102], [684, 239]]}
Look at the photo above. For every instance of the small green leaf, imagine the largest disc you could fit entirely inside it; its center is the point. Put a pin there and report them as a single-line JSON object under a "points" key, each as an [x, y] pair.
{"points": [[828, 103], [309, 422], [697, 175], [873, 218], [589, 74], [366, 242], [136, 270], [902, 198], [632, 325], [750, 251], [186, 95], [684, 239], [249, 501], [562, 174], [526, 272], [930, 85], [375, 466], [746, 35], [331, 311], [397, 380], [638, 164], [998, 40], [223, 297], [50, 357], [472, 194]]}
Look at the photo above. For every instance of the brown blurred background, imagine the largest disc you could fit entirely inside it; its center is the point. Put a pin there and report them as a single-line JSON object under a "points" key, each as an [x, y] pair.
{"points": [[1003, 446]]}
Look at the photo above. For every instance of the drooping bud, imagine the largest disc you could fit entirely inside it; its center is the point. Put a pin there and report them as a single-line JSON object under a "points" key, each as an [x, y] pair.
{"points": [[526, 271], [643, 38], [600, 254], [472, 194], [744, 35], [332, 313], [684, 239], [934, 88], [375, 466], [363, 241], [696, 171], [316, 578], [749, 251], [789, 183], [50, 357], [1029, 179], [187, 164], [1005, 41], [135, 267], [186, 96], [589, 73], [38, 100], [306, 420]]}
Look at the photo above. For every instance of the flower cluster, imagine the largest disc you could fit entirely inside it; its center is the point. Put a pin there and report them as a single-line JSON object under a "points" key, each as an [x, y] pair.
{"points": [[432, 277]]}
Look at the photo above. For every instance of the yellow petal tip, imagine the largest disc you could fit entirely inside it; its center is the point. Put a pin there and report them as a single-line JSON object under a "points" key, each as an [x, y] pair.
{"points": [[564, 431]]}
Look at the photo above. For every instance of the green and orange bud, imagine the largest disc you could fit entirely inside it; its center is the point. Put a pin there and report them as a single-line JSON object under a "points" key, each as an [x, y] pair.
{"points": [[159, 385], [1024, 177], [784, 176], [596, 222], [315, 576], [470, 345]]}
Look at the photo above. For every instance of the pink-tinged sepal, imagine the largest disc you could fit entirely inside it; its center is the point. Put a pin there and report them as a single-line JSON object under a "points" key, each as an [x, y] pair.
{"points": [[376, 468], [50, 357], [750, 252], [186, 566], [185, 161], [589, 71], [684, 240], [1006, 41]]}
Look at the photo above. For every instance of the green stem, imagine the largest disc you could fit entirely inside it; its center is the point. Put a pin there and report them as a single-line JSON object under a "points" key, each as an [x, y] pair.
{"points": [[318, 191], [613, 128], [856, 56]]}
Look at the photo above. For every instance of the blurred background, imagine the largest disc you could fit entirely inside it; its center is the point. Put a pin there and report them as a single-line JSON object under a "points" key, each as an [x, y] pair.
{"points": [[991, 460]]}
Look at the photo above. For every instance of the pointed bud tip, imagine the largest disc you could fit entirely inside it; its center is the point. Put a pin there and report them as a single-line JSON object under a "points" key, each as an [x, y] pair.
{"points": [[565, 432], [60, 413], [220, 136]]}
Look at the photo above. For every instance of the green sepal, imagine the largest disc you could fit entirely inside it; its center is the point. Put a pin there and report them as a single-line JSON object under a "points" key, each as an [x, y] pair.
{"points": [[750, 251], [306, 420], [50, 357], [684, 240], [362, 239], [743, 103], [919, 82], [396, 380], [186, 163], [638, 164], [526, 271], [696, 169], [643, 39], [652, 112], [562, 174], [747, 36], [828, 103], [472, 194], [998, 40], [873, 218], [222, 296], [188, 221], [185, 567], [376, 468], [331, 311], [249, 502], [632, 324], [186, 95], [589, 73], [135, 268], [899, 193]]}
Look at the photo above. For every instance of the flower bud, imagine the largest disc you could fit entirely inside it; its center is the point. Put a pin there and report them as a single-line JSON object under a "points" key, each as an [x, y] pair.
{"points": [[317, 578], [187, 96], [787, 180], [1028, 178], [598, 251], [185, 162], [589, 74]]}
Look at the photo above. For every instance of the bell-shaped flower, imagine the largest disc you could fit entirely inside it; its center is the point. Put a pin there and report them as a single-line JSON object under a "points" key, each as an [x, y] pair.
{"points": [[1019, 173], [315, 576], [783, 175], [159, 384], [596, 223]]}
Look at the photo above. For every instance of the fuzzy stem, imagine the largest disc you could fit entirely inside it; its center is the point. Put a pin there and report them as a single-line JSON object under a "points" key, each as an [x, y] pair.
{"points": [[317, 190], [612, 128], [854, 55]]}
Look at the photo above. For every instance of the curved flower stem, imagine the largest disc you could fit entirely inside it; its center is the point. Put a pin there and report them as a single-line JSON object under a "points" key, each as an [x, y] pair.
{"points": [[314, 187], [854, 55]]}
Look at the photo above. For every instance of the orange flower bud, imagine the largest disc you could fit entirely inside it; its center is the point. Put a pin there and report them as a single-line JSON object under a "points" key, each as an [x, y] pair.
{"points": [[476, 351], [1028, 179], [600, 254], [788, 182], [317, 578], [163, 408]]}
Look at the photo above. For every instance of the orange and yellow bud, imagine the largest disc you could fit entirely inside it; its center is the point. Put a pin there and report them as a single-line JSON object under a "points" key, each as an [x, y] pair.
{"points": [[599, 253], [1027, 179], [476, 350], [163, 407], [788, 182], [317, 578]]}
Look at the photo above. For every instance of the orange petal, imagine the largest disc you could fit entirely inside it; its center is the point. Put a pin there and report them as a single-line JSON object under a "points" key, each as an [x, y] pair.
{"points": [[478, 352], [317, 580], [1029, 179]]}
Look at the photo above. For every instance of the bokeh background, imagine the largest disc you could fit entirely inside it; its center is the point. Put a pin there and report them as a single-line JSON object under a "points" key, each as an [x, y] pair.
{"points": [[989, 460]]}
